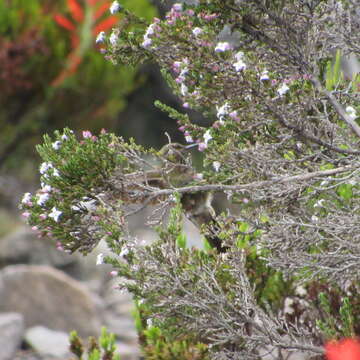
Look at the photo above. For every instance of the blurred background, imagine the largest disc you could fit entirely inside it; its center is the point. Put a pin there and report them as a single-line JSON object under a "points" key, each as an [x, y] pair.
{"points": [[53, 76]]}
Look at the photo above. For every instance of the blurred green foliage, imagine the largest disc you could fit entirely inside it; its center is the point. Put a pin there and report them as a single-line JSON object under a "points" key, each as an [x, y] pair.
{"points": [[52, 76]]}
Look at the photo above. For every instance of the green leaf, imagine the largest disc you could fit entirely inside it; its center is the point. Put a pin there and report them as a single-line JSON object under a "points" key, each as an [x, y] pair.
{"points": [[345, 191]]}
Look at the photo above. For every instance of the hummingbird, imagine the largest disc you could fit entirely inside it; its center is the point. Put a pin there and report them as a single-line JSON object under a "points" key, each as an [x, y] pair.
{"points": [[178, 171]]}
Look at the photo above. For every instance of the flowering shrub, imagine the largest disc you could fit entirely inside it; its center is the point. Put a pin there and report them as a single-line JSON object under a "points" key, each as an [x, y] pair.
{"points": [[279, 270]]}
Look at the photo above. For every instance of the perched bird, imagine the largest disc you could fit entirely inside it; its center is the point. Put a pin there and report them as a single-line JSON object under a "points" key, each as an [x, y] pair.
{"points": [[197, 206]]}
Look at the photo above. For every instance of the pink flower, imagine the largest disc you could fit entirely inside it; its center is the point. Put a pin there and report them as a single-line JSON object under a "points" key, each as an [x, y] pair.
{"points": [[86, 134], [26, 214], [202, 146]]}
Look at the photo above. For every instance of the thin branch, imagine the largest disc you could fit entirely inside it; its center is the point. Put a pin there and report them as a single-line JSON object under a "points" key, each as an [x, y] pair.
{"points": [[252, 185], [338, 107]]}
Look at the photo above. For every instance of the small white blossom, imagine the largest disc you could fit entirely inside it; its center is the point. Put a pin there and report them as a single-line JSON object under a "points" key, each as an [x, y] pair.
{"points": [[46, 188], [207, 136], [43, 198], [351, 112], [150, 30], [100, 39], [223, 111], [288, 309], [222, 46], [26, 198], [184, 71], [189, 139], [100, 259], [149, 322], [113, 38], [314, 219], [283, 89], [216, 165], [64, 137], [44, 167], [319, 203], [300, 290], [56, 145], [177, 7], [264, 76], [56, 172], [115, 7], [239, 65], [55, 214], [197, 31], [184, 90], [124, 251], [239, 56], [146, 43]]}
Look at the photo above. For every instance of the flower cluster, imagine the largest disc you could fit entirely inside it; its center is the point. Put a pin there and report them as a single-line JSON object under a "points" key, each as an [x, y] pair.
{"points": [[76, 165]]}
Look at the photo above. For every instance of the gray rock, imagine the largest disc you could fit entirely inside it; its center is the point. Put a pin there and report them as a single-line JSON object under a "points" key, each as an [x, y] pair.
{"points": [[128, 352], [48, 297], [11, 333], [48, 342], [23, 246], [123, 327]]}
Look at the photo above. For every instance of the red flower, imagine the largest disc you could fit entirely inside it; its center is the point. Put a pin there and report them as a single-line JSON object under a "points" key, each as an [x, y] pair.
{"points": [[347, 349], [97, 9]]}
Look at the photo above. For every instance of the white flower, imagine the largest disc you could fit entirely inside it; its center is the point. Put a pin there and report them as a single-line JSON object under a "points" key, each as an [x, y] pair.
{"points": [[283, 89], [150, 30], [64, 137], [177, 7], [319, 203], [184, 71], [26, 198], [115, 7], [113, 38], [56, 172], [146, 43], [314, 219], [222, 46], [189, 139], [351, 112], [100, 39], [288, 309], [100, 259], [43, 198], [56, 145], [300, 290], [44, 167], [207, 136], [222, 111], [239, 66], [239, 55], [197, 31], [216, 165], [264, 75], [55, 214], [124, 251], [184, 90], [46, 188]]}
